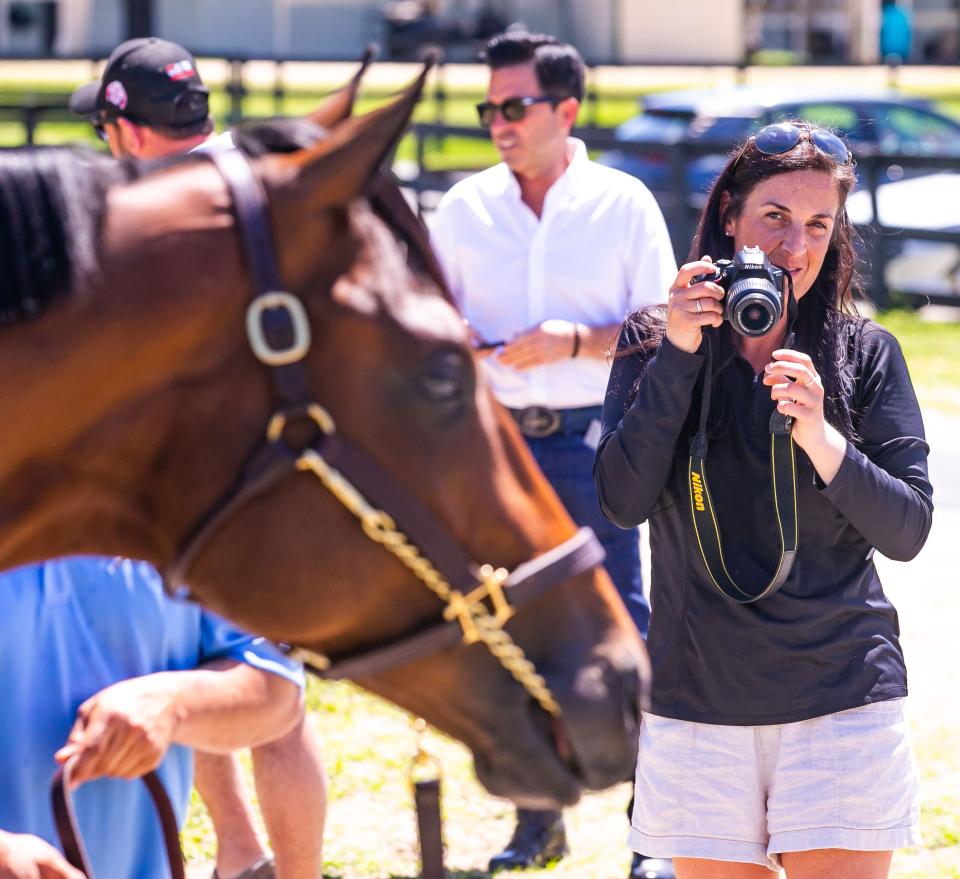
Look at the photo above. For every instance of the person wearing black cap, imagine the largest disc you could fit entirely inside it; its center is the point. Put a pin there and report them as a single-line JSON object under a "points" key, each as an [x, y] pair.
{"points": [[150, 101]]}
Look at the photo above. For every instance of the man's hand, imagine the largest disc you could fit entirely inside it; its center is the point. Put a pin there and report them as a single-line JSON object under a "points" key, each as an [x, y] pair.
{"points": [[547, 342], [124, 730], [29, 857]]}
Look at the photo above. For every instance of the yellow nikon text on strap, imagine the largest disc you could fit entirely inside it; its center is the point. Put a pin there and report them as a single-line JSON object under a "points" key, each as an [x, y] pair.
{"points": [[696, 490]]}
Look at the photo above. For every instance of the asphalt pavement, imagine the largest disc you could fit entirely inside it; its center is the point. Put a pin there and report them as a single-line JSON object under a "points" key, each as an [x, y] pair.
{"points": [[926, 590], [943, 434]]}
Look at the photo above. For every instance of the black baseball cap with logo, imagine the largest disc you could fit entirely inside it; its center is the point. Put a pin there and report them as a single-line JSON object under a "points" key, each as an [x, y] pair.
{"points": [[151, 82]]}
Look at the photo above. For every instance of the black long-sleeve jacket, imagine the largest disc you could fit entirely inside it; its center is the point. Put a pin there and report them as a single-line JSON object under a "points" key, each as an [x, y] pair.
{"points": [[828, 640]]}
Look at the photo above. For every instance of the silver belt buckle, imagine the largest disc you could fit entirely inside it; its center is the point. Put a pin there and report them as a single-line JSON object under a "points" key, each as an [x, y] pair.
{"points": [[538, 422]]}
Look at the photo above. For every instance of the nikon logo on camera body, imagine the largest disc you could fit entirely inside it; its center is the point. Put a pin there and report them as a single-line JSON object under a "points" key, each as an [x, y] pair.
{"points": [[696, 486], [754, 291]]}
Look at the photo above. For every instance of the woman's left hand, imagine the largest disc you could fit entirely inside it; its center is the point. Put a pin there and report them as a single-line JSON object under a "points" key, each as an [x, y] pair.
{"points": [[797, 390]]}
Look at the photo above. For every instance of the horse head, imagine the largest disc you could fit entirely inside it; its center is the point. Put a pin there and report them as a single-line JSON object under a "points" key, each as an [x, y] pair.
{"points": [[138, 403]]}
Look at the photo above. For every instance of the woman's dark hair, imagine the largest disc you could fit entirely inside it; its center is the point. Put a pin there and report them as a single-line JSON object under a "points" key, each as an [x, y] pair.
{"points": [[826, 313], [558, 66]]}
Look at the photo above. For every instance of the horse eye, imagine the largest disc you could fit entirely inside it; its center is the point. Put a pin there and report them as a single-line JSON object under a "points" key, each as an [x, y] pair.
{"points": [[444, 376]]}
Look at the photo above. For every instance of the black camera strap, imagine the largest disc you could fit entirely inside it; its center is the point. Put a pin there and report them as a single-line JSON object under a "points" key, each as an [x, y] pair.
{"points": [[784, 484]]}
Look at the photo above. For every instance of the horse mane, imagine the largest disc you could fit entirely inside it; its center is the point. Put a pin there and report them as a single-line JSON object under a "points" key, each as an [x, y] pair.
{"points": [[52, 204]]}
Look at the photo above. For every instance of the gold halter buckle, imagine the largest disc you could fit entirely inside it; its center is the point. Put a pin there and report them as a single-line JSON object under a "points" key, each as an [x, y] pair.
{"points": [[468, 609]]}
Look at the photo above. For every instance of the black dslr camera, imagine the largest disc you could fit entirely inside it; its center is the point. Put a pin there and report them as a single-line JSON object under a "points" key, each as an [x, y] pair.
{"points": [[754, 300]]}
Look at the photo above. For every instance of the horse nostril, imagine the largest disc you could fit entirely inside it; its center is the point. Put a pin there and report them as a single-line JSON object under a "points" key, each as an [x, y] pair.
{"points": [[561, 741]]}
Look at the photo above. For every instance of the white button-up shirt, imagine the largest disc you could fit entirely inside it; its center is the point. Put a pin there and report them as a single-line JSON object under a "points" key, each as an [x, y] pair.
{"points": [[599, 251]]}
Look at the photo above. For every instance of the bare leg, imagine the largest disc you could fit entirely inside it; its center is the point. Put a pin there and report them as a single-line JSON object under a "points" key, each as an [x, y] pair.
{"points": [[292, 789], [837, 864], [219, 781], [701, 868]]}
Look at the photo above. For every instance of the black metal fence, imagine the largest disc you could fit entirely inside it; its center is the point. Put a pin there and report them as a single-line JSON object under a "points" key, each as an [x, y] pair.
{"points": [[236, 88], [31, 113], [882, 244]]}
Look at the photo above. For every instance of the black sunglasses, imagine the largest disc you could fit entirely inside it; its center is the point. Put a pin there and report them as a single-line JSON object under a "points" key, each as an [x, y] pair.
{"points": [[513, 109], [100, 123], [99, 126], [781, 137]]}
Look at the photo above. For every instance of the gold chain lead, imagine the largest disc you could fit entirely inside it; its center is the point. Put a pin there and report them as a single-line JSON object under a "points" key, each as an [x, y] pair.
{"points": [[477, 622]]}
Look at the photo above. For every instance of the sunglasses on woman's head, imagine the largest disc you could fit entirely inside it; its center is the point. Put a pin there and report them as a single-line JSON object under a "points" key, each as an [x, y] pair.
{"points": [[512, 109], [781, 137]]}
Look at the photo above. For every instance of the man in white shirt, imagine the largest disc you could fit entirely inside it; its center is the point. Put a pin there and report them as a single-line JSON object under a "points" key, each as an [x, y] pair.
{"points": [[546, 253]]}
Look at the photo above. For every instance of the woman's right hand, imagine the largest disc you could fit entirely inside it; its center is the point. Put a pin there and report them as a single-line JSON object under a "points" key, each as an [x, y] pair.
{"points": [[692, 307]]}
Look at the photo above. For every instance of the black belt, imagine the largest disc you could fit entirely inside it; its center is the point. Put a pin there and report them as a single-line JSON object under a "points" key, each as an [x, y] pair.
{"points": [[541, 421]]}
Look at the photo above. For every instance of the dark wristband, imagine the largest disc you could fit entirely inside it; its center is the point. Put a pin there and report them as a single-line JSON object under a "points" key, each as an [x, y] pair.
{"points": [[576, 341]]}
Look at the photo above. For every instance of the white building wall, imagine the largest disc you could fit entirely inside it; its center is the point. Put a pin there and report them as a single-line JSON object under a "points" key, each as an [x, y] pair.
{"points": [[242, 26], [304, 28], [594, 28], [539, 17], [107, 25], [691, 31], [331, 29], [625, 31], [864, 31], [73, 31]]}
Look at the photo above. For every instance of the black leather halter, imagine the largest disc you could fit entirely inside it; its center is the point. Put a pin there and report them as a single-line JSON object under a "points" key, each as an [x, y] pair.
{"points": [[279, 335]]}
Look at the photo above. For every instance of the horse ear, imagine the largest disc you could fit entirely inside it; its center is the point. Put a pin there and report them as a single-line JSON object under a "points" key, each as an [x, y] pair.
{"points": [[339, 105], [339, 168]]}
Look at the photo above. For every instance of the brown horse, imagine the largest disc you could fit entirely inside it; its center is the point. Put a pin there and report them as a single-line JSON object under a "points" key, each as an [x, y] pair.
{"points": [[132, 402]]}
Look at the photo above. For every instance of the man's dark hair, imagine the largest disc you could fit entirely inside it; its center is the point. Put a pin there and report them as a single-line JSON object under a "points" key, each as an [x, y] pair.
{"points": [[558, 66], [184, 132], [203, 126]]}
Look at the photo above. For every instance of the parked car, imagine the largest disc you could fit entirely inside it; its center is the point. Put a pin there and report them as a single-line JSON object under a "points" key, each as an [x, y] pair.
{"points": [[698, 128], [929, 202], [709, 122]]}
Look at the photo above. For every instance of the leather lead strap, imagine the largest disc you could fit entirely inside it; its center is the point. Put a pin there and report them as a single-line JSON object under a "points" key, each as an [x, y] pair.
{"points": [[426, 795], [65, 819], [268, 465], [250, 210]]}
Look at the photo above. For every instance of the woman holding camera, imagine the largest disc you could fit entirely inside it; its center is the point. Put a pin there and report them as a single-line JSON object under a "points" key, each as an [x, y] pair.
{"points": [[776, 735]]}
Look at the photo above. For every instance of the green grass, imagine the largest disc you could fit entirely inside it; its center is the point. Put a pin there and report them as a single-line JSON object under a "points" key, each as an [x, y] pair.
{"points": [[371, 831], [932, 351]]}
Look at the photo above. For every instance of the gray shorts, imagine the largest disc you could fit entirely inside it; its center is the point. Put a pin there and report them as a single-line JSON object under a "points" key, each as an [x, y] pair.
{"points": [[747, 793]]}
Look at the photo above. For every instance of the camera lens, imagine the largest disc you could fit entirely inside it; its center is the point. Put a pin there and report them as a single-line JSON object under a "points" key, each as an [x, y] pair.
{"points": [[755, 317], [753, 306]]}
